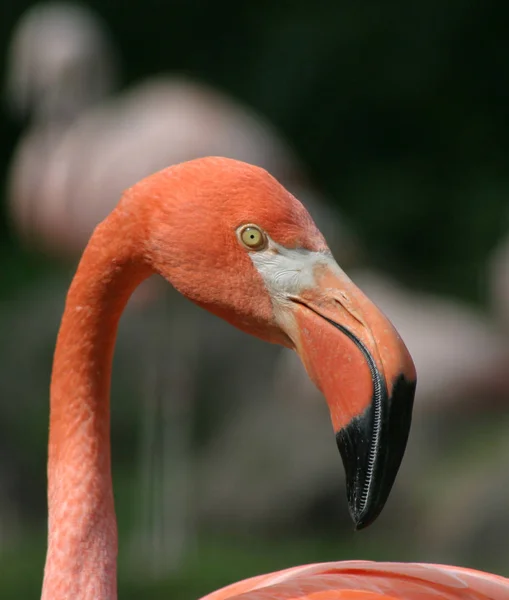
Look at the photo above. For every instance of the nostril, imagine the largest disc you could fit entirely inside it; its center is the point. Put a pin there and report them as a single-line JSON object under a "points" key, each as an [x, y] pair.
{"points": [[342, 299]]}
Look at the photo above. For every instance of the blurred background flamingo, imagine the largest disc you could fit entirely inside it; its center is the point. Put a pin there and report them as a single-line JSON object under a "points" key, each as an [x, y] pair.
{"points": [[212, 463]]}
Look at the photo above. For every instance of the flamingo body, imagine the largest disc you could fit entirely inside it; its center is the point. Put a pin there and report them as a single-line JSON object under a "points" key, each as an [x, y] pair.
{"points": [[366, 580]]}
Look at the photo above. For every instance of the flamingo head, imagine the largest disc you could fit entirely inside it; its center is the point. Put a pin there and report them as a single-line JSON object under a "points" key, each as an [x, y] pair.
{"points": [[233, 240]]}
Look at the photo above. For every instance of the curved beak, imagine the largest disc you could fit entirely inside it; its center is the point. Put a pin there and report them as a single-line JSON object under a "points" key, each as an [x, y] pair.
{"points": [[359, 362]]}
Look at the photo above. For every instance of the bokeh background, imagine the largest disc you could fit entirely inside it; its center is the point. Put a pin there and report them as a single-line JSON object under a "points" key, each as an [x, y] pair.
{"points": [[391, 122]]}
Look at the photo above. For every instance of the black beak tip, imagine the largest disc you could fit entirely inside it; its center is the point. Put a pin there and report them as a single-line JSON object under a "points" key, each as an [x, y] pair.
{"points": [[363, 520], [372, 447], [358, 525]]}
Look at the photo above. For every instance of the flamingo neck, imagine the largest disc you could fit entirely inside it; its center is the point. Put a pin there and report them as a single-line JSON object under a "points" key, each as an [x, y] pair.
{"points": [[82, 537]]}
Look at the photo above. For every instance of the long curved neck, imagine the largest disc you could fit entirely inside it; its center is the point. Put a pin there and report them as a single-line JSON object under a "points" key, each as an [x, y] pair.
{"points": [[82, 537]]}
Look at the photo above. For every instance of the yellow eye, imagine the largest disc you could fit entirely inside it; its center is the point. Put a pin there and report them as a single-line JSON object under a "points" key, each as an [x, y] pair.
{"points": [[252, 237]]}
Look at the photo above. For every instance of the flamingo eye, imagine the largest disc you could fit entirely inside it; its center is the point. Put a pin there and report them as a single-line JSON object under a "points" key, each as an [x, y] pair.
{"points": [[252, 237]]}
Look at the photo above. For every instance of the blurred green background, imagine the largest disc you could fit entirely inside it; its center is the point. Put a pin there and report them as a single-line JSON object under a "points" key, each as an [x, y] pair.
{"points": [[400, 112]]}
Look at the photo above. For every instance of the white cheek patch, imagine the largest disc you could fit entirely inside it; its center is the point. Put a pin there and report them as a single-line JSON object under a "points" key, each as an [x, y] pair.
{"points": [[287, 271]]}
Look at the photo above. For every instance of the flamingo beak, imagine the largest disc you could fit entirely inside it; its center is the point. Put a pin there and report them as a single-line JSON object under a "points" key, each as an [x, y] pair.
{"points": [[359, 362]]}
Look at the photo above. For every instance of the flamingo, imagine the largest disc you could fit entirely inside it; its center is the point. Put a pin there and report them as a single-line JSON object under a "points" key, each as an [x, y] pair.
{"points": [[232, 240]]}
